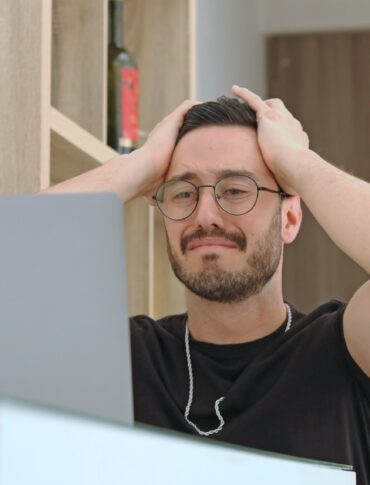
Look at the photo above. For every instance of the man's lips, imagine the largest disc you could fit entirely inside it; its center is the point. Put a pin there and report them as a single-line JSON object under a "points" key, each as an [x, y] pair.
{"points": [[211, 242]]}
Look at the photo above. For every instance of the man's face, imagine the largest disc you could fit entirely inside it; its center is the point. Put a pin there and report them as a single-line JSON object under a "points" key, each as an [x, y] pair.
{"points": [[218, 256]]}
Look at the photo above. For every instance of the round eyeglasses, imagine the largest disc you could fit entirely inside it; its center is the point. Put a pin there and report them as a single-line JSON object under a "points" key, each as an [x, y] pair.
{"points": [[235, 194]]}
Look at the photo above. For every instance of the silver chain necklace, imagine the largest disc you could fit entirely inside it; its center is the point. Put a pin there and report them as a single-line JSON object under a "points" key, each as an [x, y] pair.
{"points": [[218, 401]]}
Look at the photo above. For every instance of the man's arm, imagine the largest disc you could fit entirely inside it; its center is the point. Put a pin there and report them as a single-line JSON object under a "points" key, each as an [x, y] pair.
{"points": [[136, 174], [122, 175], [341, 205], [338, 201]]}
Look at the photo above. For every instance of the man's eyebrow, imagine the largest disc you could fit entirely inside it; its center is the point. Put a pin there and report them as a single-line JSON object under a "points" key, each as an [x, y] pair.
{"points": [[219, 173]]}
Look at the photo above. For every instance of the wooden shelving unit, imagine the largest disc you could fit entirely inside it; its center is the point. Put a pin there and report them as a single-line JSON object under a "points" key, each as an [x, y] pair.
{"points": [[53, 104], [73, 149]]}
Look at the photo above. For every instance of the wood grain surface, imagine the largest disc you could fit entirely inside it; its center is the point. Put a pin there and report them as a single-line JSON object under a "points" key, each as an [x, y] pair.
{"points": [[79, 45], [324, 80], [24, 95]]}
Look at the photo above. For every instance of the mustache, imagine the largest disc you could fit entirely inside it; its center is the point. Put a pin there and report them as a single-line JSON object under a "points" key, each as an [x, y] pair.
{"points": [[239, 239]]}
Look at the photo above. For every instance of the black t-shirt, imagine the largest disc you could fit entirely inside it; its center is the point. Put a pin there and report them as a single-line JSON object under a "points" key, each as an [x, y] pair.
{"points": [[297, 392]]}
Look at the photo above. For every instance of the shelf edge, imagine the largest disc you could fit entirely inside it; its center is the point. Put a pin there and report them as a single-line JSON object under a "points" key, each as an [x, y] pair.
{"points": [[80, 138]]}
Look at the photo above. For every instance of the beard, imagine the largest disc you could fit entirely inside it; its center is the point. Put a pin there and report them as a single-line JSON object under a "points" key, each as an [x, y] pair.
{"points": [[231, 286]]}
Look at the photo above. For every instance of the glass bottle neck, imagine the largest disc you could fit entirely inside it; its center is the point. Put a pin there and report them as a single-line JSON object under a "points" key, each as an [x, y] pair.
{"points": [[116, 22]]}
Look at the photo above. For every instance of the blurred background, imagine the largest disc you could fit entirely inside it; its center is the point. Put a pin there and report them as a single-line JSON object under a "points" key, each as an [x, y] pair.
{"points": [[313, 54]]}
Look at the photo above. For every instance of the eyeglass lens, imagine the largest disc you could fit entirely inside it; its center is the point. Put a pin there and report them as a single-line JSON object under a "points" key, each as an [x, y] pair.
{"points": [[236, 195]]}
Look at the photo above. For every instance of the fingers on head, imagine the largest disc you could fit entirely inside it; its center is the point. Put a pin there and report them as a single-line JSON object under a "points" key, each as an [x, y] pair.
{"points": [[275, 103], [182, 109], [252, 99], [307, 139], [298, 123], [278, 106], [187, 104]]}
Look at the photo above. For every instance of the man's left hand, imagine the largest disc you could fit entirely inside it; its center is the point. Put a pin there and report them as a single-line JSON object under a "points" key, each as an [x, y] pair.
{"points": [[280, 136]]}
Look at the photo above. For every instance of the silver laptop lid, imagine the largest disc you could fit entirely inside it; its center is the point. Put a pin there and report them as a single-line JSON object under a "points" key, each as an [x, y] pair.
{"points": [[64, 336]]}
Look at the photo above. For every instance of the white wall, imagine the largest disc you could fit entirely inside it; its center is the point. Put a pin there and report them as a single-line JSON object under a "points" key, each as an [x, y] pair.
{"points": [[231, 34], [283, 16], [228, 48]]}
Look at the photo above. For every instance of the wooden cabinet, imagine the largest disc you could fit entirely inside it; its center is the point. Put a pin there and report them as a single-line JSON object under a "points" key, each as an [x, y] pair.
{"points": [[53, 109]]}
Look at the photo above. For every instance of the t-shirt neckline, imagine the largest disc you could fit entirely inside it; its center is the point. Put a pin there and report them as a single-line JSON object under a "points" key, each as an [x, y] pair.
{"points": [[238, 349]]}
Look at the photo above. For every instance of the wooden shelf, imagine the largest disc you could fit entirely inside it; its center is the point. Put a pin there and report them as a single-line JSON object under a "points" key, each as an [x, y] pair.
{"points": [[73, 149], [59, 132]]}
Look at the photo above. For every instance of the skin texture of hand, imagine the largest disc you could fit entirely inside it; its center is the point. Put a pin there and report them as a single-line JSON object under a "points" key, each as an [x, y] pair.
{"points": [[159, 147], [280, 136]]}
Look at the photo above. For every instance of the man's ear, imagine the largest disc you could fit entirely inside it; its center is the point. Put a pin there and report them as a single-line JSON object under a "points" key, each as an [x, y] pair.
{"points": [[291, 218]]}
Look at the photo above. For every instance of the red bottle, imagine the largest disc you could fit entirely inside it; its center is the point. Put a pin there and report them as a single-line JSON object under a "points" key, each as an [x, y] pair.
{"points": [[123, 86]]}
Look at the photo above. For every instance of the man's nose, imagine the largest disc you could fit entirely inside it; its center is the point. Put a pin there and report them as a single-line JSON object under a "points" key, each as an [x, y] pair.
{"points": [[208, 213]]}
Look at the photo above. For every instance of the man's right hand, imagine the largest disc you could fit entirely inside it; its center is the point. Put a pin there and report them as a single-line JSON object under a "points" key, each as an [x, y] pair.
{"points": [[157, 151]]}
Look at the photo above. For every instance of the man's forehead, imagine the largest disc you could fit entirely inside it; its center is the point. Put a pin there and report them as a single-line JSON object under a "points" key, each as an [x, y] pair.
{"points": [[217, 151]]}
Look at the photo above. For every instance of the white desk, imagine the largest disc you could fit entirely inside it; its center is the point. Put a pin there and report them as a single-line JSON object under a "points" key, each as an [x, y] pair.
{"points": [[44, 447]]}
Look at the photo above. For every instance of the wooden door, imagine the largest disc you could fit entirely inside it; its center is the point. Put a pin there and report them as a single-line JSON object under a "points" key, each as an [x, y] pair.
{"points": [[324, 80]]}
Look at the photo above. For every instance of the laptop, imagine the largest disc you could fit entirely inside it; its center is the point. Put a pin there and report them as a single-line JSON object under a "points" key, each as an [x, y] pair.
{"points": [[64, 334]]}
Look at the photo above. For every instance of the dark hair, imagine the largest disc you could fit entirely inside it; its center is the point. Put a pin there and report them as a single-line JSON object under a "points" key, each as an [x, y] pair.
{"points": [[222, 112]]}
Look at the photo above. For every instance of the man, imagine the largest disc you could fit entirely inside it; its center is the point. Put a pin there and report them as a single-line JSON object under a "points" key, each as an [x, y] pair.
{"points": [[242, 365]]}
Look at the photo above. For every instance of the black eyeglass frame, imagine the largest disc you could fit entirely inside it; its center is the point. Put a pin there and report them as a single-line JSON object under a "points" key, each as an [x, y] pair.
{"points": [[259, 189]]}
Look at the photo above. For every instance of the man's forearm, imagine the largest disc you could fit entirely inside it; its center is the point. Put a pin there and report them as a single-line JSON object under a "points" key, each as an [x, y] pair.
{"points": [[339, 202], [120, 175]]}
